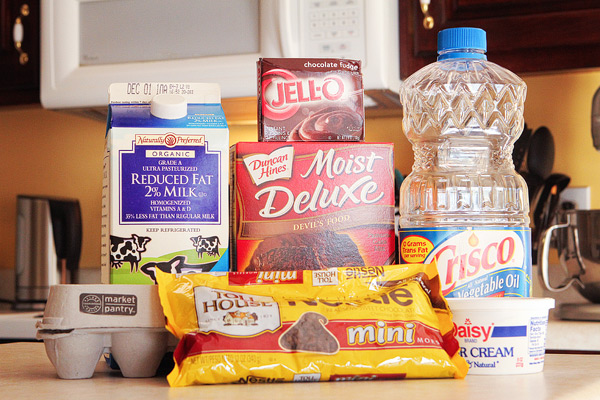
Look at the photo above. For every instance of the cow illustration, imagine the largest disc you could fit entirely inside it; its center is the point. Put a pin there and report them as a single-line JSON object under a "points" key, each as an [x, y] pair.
{"points": [[129, 250], [177, 265], [208, 245]]}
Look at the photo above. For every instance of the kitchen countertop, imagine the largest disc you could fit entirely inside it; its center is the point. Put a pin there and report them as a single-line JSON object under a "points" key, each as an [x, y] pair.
{"points": [[573, 335], [26, 373]]}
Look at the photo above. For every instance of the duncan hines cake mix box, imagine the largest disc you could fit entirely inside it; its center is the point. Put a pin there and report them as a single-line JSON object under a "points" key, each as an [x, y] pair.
{"points": [[165, 192], [307, 205], [310, 99]]}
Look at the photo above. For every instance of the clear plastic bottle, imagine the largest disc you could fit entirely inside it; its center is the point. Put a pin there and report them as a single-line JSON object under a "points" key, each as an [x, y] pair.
{"points": [[463, 205]]}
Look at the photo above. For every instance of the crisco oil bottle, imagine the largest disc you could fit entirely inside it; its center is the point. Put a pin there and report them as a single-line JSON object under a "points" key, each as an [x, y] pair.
{"points": [[463, 205]]}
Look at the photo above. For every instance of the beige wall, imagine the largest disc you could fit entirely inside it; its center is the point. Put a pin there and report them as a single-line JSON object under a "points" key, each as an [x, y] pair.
{"points": [[48, 153], [563, 103], [53, 153]]}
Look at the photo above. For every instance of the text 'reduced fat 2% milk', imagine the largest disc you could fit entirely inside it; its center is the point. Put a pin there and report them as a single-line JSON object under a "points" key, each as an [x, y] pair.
{"points": [[464, 205]]}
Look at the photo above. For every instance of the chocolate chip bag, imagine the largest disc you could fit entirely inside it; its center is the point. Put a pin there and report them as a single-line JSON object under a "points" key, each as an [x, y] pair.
{"points": [[388, 322]]}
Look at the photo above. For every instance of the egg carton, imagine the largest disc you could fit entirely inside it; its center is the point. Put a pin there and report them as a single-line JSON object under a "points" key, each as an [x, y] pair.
{"points": [[83, 322]]}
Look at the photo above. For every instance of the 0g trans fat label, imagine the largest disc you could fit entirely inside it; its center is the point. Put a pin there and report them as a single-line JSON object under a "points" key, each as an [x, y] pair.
{"points": [[108, 304], [473, 262]]}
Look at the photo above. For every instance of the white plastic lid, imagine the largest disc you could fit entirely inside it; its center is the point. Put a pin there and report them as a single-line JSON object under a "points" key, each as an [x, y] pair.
{"points": [[168, 106], [500, 303]]}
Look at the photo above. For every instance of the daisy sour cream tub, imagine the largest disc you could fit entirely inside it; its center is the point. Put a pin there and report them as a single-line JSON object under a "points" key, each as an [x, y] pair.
{"points": [[502, 335]]}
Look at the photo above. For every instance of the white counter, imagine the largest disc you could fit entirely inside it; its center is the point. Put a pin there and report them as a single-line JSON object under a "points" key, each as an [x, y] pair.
{"points": [[18, 325], [26, 373], [573, 336]]}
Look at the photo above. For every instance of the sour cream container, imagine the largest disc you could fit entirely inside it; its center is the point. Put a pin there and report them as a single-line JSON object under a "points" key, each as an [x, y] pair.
{"points": [[502, 336]]}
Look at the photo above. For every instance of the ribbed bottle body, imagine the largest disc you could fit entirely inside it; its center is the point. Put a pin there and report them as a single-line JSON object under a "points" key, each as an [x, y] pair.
{"points": [[462, 117]]}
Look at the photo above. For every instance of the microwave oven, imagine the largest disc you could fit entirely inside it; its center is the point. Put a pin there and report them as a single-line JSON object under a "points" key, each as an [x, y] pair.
{"points": [[88, 44]]}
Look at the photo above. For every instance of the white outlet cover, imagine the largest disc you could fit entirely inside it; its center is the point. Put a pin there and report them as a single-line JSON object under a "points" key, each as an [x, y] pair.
{"points": [[580, 196]]}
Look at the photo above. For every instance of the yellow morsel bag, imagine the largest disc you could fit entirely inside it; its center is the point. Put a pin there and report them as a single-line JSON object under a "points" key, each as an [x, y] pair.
{"points": [[388, 322]]}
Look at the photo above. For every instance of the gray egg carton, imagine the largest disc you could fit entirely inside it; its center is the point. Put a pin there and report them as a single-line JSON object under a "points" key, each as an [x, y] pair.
{"points": [[83, 322]]}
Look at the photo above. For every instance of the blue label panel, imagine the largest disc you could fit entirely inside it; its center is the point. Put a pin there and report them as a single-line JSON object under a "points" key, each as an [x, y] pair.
{"points": [[170, 185], [473, 261], [509, 331]]}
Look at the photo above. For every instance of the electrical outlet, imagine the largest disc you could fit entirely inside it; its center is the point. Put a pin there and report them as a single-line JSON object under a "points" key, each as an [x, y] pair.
{"points": [[580, 196]]}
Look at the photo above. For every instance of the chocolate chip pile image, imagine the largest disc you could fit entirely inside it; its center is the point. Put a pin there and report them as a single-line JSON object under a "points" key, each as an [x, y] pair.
{"points": [[310, 335]]}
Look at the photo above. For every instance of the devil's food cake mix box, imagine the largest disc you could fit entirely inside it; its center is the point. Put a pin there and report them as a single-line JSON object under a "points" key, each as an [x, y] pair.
{"points": [[301, 205], [310, 99]]}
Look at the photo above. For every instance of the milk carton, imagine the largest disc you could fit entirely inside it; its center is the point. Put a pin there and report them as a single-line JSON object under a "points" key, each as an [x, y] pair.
{"points": [[165, 191]]}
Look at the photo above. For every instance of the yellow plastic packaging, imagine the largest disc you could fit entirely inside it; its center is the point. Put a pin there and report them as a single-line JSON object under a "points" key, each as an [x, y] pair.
{"points": [[355, 323]]}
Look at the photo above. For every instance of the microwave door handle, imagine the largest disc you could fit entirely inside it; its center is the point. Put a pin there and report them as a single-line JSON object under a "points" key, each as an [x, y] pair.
{"points": [[289, 41]]}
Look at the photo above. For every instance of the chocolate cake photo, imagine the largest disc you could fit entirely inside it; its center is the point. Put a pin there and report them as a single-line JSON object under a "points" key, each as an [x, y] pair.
{"points": [[311, 251]]}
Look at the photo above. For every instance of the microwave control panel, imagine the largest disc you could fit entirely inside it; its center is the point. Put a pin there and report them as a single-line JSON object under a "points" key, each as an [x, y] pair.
{"points": [[332, 28]]}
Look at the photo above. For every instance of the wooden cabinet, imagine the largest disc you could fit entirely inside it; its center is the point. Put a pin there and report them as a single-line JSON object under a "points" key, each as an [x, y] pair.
{"points": [[524, 36], [19, 70]]}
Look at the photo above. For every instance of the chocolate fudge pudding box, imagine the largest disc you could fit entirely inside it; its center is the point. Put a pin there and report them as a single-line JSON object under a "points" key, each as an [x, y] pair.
{"points": [[165, 191], [311, 205], [310, 99]]}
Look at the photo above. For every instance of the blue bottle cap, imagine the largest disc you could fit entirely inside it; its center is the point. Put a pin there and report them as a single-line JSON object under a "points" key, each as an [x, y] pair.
{"points": [[462, 43]]}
